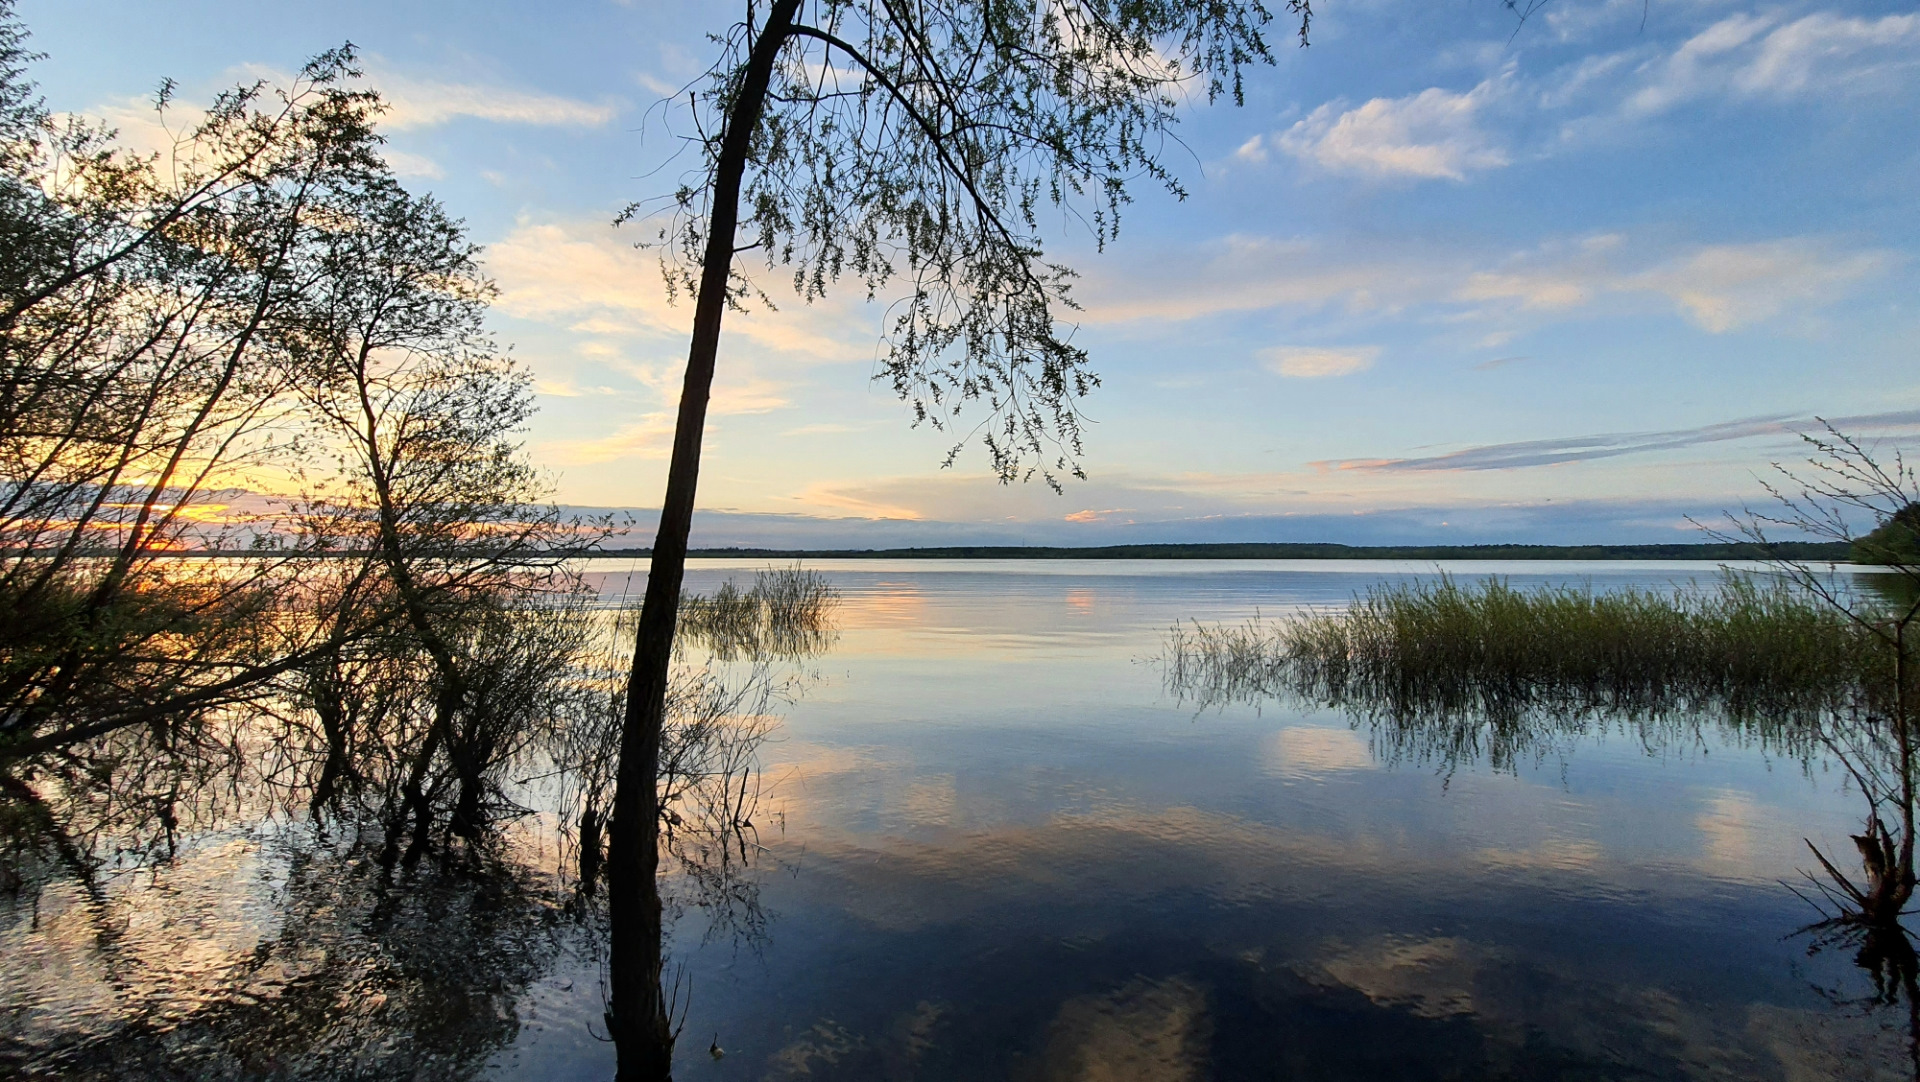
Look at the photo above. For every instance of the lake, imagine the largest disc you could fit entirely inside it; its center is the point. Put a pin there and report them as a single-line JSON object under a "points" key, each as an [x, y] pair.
{"points": [[990, 842]]}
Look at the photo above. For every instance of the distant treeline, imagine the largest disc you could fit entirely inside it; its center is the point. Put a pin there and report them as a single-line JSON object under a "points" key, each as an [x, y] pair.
{"points": [[1817, 551], [1786, 550]]}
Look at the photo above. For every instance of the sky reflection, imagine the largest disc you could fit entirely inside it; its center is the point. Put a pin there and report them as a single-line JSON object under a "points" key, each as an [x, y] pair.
{"points": [[1006, 852], [996, 846]]}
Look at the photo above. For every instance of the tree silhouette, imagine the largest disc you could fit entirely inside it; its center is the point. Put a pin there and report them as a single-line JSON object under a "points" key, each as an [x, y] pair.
{"points": [[915, 143]]}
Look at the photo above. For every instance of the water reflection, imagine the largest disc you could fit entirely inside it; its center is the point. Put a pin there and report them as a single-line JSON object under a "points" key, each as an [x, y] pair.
{"points": [[1013, 861], [983, 844], [1450, 676], [352, 880], [289, 958]]}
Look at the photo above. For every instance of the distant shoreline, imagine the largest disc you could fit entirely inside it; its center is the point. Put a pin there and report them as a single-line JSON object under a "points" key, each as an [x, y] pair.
{"points": [[1814, 551], [1788, 550]]}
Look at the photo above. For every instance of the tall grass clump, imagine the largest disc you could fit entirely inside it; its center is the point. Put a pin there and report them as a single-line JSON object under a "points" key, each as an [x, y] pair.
{"points": [[1805, 663], [787, 612], [1457, 670], [720, 705]]}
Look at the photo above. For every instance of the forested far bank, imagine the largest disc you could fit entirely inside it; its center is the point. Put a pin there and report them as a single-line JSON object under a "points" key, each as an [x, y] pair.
{"points": [[1816, 551], [1807, 551]]}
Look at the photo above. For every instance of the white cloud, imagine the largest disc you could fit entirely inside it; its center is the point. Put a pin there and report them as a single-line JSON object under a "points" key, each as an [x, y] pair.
{"points": [[1573, 22], [414, 103], [655, 84], [1307, 501], [859, 500], [144, 129], [564, 273], [825, 428], [1308, 362], [1692, 69], [609, 302], [1304, 752], [557, 388], [1430, 135], [590, 279], [422, 103], [1239, 272], [412, 165], [1757, 56], [1593, 76], [1725, 286], [753, 395], [649, 437], [1442, 134], [1821, 49], [1720, 287], [1531, 289]]}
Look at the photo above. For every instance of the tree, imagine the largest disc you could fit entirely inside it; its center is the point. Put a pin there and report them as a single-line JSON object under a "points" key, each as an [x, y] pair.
{"points": [[916, 142], [1894, 543], [260, 299], [422, 415], [138, 300], [1843, 482]]}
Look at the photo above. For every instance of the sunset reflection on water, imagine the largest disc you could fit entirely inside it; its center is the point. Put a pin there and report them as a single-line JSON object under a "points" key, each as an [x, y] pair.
{"points": [[992, 844]]}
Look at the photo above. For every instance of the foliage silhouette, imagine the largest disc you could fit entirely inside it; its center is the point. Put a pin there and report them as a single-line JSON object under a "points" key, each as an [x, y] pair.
{"points": [[921, 143]]}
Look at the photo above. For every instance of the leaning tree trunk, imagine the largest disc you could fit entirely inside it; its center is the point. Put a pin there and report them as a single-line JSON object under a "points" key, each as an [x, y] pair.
{"points": [[1903, 724], [638, 1012]]}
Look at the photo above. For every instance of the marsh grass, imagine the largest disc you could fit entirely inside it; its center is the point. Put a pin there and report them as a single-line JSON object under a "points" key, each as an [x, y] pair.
{"points": [[786, 613], [1807, 668], [335, 742], [1451, 671], [740, 659]]}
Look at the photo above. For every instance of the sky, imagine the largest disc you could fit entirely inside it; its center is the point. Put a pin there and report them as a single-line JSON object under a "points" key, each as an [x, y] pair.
{"points": [[1446, 277]]}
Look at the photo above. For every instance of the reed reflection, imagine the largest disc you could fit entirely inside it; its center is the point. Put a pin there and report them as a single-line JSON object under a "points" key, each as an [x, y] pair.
{"points": [[740, 655], [292, 956], [1449, 674], [373, 866]]}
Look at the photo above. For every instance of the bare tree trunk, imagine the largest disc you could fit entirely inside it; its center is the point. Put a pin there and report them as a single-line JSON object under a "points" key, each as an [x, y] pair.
{"points": [[338, 767], [590, 850], [638, 1012], [1903, 725]]}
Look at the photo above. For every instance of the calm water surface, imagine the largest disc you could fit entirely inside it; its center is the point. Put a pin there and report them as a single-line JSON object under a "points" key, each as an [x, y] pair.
{"points": [[993, 845]]}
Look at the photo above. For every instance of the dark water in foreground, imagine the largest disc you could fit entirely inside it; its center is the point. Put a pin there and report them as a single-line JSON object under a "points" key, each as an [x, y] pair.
{"points": [[995, 846]]}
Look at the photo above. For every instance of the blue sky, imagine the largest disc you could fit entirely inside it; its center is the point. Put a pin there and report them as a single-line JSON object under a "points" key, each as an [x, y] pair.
{"points": [[1437, 281]]}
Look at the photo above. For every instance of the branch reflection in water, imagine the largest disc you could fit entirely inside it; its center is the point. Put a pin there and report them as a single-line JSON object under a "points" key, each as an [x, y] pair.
{"points": [[1444, 674], [257, 894], [755, 646]]}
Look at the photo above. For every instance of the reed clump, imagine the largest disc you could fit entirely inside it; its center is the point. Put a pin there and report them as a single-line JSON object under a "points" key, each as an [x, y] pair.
{"points": [[786, 613], [1453, 669], [749, 649]]}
